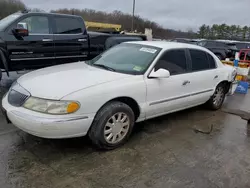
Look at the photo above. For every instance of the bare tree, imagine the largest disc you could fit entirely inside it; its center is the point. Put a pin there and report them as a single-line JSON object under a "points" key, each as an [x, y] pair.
{"points": [[118, 17], [8, 7]]}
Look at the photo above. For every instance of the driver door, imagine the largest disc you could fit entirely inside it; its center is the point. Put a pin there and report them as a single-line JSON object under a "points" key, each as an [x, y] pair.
{"points": [[165, 95], [35, 50]]}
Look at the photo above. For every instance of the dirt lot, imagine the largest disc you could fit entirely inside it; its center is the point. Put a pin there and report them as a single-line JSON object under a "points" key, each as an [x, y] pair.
{"points": [[163, 152]]}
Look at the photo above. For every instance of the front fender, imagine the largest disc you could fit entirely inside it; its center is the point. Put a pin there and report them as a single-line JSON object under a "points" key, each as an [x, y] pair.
{"points": [[93, 98]]}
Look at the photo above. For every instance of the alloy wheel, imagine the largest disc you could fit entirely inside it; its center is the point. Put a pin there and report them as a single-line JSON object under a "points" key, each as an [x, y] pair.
{"points": [[116, 128]]}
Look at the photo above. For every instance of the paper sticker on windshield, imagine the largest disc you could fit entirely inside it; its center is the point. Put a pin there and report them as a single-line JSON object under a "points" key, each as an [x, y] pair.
{"points": [[137, 68], [149, 50]]}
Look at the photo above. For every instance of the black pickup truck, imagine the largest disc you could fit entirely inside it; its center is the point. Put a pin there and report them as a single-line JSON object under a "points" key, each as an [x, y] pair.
{"points": [[31, 40]]}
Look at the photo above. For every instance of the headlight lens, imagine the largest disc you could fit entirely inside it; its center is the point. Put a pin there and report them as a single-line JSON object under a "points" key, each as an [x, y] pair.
{"points": [[51, 106]]}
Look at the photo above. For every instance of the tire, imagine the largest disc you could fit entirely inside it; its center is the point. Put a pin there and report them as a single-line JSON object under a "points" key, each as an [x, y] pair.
{"points": [[216, 101], [104, 121], [1, 75]]}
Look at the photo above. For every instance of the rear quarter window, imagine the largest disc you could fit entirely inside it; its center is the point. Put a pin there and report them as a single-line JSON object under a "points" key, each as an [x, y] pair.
{"points": [[212, 62]]}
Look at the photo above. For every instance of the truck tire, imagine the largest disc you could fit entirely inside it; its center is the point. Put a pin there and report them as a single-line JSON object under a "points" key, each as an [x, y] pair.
{"points": [[217, 99], [3, 63], [112, 125], [1, 75]]}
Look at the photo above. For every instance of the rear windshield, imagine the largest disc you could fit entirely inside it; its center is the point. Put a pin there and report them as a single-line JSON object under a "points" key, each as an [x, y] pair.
{"points": [[8, 20]]}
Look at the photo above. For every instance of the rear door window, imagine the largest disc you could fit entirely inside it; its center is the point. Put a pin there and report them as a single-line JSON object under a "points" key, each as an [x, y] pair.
{"points": [[199, 60], [211, 60], [68, 25], [174, 61]]}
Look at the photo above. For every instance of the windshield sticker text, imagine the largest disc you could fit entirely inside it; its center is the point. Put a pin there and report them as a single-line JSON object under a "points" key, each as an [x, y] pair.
{"points": [[149, 50], [137, 68]]}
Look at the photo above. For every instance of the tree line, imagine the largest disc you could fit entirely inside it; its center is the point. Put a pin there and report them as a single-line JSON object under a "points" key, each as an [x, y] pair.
{"points": [[223, 31], [8, 7], [124, 19]]}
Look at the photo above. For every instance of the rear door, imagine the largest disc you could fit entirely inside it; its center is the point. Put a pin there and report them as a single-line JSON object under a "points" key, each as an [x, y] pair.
{"points": [[204, 76], [70, 38], [35, 50]]}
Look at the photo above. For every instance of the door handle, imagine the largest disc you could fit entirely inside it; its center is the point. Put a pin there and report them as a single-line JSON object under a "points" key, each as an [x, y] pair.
{"points": [[185, 82], [216, 77], [82, 40], [47, 40]]}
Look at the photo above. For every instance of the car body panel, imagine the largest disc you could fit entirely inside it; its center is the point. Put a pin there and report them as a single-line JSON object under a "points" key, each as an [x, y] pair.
{"points": [[67, 79], [94, 87]]}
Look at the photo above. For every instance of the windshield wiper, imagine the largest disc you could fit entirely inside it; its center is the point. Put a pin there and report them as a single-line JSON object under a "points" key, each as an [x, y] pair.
{"points": [[104, 66]]}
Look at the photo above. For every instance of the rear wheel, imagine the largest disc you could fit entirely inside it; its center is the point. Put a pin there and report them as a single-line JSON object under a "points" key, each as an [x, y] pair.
{"points": [[216, 101], [112, 125]]}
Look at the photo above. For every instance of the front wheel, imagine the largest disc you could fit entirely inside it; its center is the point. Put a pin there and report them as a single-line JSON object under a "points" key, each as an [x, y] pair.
{"points": [[112, 125], [1, 75], [216, 101]]}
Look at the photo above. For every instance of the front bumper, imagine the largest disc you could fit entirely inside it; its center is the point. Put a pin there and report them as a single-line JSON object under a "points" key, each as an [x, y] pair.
{"points": [[48, 126]]}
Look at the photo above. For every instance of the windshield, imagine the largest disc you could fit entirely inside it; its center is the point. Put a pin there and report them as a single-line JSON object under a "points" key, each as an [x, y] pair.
{"points": [[127, 58], [7, 20]]}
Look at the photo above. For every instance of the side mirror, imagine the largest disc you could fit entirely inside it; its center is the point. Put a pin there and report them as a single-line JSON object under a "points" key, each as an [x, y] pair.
{"points": [[21, 30], [22, 25], [161, 73]]}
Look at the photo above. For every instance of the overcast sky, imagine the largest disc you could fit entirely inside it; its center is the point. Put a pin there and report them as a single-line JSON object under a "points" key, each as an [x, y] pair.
{"points": [[172, 14]]}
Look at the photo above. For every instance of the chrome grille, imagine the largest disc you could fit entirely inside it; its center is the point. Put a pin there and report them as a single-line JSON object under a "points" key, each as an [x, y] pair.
{"points": [[16, 98]]}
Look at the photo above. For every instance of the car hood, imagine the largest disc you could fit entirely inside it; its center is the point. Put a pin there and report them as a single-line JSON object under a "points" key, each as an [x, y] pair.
{"points": [[58, 81]]}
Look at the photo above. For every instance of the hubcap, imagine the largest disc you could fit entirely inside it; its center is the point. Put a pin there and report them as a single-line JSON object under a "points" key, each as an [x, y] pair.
{"points": [[116, 128], [218, 96]]}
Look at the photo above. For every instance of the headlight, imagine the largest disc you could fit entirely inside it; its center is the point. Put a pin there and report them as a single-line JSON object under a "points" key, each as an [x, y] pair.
{"points": [[51, 106]]}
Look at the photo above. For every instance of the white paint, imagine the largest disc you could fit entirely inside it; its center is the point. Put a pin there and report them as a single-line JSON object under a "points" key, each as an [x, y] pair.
{"points": [[93, 87]]}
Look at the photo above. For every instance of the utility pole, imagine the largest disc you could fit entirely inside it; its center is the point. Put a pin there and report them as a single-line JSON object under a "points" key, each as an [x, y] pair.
{"points": [[133, 15]]}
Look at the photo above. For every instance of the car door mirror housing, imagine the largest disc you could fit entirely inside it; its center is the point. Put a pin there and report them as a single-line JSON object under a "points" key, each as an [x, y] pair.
{"points": [[22, 25], [20, 32], [161, 73]]}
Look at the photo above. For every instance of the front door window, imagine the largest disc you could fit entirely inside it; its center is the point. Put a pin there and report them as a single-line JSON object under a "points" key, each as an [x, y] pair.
{"points": [[35, 24]]}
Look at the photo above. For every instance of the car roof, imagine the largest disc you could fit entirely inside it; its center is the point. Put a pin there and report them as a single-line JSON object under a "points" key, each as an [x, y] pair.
{"points": [[47, 13], [168, 45]]}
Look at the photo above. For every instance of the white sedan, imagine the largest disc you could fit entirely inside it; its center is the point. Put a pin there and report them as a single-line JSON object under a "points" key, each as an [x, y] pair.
{"points": [[104, 97]]}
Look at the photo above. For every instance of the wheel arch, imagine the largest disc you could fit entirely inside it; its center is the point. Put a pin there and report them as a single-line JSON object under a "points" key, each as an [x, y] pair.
{"points": [[128, 101], [226, 84]]}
